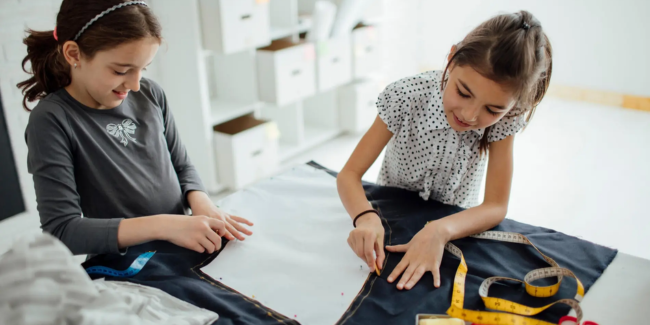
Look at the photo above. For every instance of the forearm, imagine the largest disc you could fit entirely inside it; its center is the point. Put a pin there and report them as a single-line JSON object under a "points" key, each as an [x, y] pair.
{"points": [[197, 200], [134, 231], [471, 221], [351, 193]]}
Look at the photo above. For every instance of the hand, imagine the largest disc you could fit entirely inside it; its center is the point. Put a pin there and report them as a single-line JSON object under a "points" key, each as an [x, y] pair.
{"points": [[423, 253], [198, 233], [202, 205], [367, 239]]}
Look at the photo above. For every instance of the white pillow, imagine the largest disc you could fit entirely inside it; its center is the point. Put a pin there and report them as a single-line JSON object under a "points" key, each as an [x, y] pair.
{"points": [[41, 283]]}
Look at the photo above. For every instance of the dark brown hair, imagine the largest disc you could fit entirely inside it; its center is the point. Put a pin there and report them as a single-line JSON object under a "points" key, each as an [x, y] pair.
{"points": [[512, 50], [48, 67]]}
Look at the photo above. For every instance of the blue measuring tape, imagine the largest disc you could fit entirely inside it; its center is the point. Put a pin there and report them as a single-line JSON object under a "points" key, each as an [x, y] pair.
{"points": [[134, 269]]}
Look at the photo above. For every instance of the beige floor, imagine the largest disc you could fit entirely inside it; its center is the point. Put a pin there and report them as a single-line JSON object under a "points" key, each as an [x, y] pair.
{"points": [[580, 168]]}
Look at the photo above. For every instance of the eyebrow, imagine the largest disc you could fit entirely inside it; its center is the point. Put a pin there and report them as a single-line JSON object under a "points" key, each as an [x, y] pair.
{"points": [[128, 65], [470, 92]]}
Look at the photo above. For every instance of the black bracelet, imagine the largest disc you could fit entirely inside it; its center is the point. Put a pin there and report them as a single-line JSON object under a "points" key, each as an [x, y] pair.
{"points": [[354, 223]]}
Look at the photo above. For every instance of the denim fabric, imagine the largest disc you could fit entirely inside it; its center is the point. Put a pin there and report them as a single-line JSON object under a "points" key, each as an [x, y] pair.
{"points": [[177, 271]]}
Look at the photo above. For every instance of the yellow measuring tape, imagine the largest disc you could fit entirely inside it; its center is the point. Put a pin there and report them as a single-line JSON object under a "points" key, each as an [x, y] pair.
{"points": [[509, 312]]}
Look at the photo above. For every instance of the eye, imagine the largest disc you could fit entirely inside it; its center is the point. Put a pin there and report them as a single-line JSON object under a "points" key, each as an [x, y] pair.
{"points": [[120, 73], [491, 111], [461, 93]]}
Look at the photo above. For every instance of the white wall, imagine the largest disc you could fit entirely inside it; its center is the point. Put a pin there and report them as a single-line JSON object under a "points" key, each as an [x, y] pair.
{"points": [[597, 44], [15, 16]]}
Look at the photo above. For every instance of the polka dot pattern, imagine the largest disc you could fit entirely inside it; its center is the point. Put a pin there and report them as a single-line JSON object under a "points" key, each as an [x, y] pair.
{"points": [[425, 154]]}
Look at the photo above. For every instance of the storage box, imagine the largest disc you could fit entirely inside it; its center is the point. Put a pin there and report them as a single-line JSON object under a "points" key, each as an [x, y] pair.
{"points": [[333, 63], [230, 26], [286, 72], [366, 51], [246, 150], [357, 105]]}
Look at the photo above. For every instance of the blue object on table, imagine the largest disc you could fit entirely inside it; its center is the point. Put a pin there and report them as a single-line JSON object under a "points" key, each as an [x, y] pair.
{"points": [[134, 269]]}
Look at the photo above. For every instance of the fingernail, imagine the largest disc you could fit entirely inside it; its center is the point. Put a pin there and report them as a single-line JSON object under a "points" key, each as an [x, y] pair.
{"points": [[390, 279]]}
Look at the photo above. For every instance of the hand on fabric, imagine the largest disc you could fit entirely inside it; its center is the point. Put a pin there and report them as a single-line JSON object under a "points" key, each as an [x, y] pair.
{"points": [[367, 239], [202, 205], [423, 253], [198, 233]]}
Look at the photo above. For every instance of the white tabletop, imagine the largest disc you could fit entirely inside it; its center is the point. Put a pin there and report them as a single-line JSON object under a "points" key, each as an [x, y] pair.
{"points": [[618, 297], [622, 294]]}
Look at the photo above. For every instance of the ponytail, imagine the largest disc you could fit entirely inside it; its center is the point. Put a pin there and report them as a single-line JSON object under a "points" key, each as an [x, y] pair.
{"points": [[50, 72], [79, 21]]}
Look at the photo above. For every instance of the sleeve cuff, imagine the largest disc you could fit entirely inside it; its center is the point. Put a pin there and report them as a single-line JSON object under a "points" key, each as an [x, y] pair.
{"points": [[189, 188], [113, 226]]}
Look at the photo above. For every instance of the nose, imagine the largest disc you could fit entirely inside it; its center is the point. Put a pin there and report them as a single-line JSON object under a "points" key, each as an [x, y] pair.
{"points": [[470, 113], [133, 81]]}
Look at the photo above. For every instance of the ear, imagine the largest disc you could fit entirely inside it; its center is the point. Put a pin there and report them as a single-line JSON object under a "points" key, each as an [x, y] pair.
{"points": [[451, 52], [71, 52]]}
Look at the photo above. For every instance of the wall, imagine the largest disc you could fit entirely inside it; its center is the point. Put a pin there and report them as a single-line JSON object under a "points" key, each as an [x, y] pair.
{"points": [[15, 16], [597, 44]]}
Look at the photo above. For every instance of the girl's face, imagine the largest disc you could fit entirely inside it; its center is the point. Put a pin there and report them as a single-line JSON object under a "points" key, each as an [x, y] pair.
{"points": [[110, 75], [472, 101]]}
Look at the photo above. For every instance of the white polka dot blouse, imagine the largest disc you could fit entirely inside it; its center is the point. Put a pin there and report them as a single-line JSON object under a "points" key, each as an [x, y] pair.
{"points": [[425, 154]]}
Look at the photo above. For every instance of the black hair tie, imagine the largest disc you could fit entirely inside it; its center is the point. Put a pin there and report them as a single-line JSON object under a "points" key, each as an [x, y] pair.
{"points": [[525, 26], [354, 223]]}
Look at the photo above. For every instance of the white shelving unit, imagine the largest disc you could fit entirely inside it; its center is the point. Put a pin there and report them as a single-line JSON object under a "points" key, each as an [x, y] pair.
{"points": [[224, 110], [223, 67]]}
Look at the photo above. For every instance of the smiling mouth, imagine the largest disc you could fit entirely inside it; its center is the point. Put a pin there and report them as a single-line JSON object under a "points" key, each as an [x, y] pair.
{"points": [[460, 122]]}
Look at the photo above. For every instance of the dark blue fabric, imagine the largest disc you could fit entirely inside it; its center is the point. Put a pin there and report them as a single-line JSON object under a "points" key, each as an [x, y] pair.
{"points": [[176, 271], [404, 213]]}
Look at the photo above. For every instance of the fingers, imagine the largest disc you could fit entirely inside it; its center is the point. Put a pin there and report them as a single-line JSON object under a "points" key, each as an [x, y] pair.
{"points": [[398, 270], [414, 277], [234, 232], [241, 220], [355, 240], [216, 225], [196, 247], [351, 243], [215, 239], [397, 248], [239, 226], [220, 227], [406, 276], [379, 248], [368, 250], [357, 246], [207, 244], [436, 277]]}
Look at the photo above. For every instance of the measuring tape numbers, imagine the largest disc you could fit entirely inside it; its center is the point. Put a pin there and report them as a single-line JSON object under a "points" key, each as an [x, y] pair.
{"points": [[509, 312]]}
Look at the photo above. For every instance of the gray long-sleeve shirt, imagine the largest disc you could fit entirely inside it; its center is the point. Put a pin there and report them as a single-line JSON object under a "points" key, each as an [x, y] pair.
{"points": [[106, 165]]}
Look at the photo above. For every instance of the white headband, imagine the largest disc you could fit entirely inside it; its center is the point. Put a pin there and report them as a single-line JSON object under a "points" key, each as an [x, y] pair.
{"points": [[103, 13]]}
